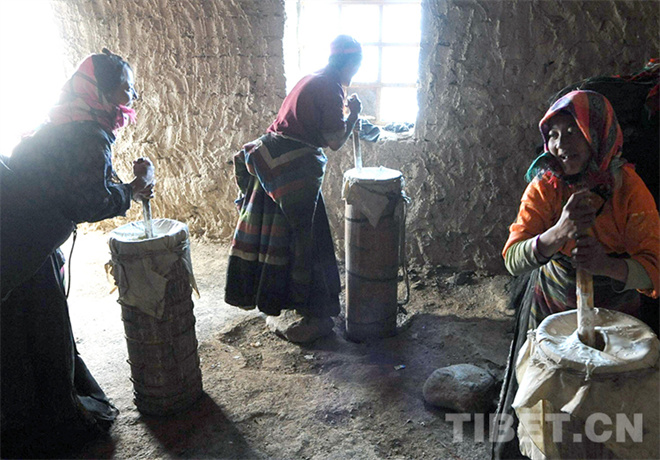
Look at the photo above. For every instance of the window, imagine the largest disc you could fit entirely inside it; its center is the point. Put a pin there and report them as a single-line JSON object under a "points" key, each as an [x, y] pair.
{"points": [[389, 31]]}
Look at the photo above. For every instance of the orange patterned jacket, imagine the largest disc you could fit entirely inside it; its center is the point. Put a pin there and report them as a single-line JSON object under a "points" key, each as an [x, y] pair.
{"points": [[628, 224]]}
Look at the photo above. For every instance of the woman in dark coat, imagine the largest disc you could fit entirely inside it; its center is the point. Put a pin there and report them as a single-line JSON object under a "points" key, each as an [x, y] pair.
{"points": [[59, 176]]}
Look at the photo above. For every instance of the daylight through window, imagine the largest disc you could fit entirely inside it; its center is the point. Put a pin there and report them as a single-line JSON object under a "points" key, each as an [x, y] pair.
{"points": [[31, 48], [389, 32]]}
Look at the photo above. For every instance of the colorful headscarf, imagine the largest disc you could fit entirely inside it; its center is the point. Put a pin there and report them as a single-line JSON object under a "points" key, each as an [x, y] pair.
{"points": [[597, 121], [81, 99]]}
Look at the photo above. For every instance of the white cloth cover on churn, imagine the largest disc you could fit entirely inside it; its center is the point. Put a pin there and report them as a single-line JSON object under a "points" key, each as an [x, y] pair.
{"points": [[371, 190], [557, 374], [140, 264]]}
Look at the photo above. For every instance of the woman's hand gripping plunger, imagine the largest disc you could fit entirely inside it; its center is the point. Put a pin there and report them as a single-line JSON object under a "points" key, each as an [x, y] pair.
{"points": [[143, 183], [584, 281], [576, 218], [143, 190]]}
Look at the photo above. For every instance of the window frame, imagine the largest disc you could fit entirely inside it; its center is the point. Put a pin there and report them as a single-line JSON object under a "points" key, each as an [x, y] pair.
{"points": [[377, 86]]}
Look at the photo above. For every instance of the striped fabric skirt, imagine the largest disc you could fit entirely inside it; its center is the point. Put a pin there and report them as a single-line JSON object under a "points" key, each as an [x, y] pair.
{"points": [[282, 253]]}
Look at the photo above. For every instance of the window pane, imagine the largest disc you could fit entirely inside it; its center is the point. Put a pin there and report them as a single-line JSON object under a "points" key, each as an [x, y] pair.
{"points": [[318, 26], [398, 105], [368, 72], [400, 64], [316, 14], [361, 22], [313, 58], [402, 23]]}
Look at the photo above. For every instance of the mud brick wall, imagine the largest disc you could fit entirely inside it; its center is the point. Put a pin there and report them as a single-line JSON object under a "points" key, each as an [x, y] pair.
{"points": [[211, 76]]}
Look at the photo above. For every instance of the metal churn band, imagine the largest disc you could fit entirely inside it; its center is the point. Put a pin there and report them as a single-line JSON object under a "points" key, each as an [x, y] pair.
{"points": [[402, 251]]}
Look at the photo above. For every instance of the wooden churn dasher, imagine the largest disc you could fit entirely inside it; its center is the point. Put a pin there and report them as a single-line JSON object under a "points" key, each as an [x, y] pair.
{"points": [[375, 240], [155, 280]]}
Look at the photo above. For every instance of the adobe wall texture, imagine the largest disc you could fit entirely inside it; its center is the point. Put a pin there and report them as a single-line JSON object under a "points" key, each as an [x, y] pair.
{"points": [[211, 78]]}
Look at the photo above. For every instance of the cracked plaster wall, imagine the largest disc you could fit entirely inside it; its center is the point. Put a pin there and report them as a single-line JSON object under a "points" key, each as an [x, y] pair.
{"points": [[211, 78]]}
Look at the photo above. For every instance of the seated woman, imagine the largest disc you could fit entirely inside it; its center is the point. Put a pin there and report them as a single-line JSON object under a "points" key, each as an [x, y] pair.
{"points": [[585, 207], [59, 176]]}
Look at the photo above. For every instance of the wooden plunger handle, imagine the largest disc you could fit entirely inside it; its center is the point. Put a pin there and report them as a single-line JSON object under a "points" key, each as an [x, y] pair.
{"points": [[584, 286], [143, 167], [357, 151], [146, 215], [585, 307]]}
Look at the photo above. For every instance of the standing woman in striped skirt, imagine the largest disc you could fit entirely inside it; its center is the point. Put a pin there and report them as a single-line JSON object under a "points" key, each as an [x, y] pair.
{"points": [[282, 257]]}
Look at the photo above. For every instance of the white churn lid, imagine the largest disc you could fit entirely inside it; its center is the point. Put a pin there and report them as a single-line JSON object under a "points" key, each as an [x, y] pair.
{"points": [[134, 232], [629, 344], [372, 174], [371, 189], [140, 265]]}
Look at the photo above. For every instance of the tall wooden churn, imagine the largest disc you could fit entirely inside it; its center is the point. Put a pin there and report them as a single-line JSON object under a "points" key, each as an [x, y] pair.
{"points": [[155, 281], [374, 234]]}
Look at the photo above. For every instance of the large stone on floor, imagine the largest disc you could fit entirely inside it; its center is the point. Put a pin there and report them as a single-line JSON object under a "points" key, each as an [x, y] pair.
{"points": [[463, 388], [297, 328]]}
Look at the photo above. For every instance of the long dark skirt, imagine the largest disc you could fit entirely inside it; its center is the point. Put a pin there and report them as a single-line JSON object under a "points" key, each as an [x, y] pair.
{"points": [[270, 286], [521, 298], [282, 254], [50, 403]]}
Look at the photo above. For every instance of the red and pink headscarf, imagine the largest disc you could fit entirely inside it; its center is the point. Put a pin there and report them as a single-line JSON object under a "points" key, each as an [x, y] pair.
{"points": [[597, 121], [81, 99]]}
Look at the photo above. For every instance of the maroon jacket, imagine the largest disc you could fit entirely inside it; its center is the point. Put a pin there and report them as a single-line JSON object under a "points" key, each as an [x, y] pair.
{"points": [[314, 106]]}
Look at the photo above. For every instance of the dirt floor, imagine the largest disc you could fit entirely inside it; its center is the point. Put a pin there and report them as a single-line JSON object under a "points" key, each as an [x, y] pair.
{"points": [[265, 398]]}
